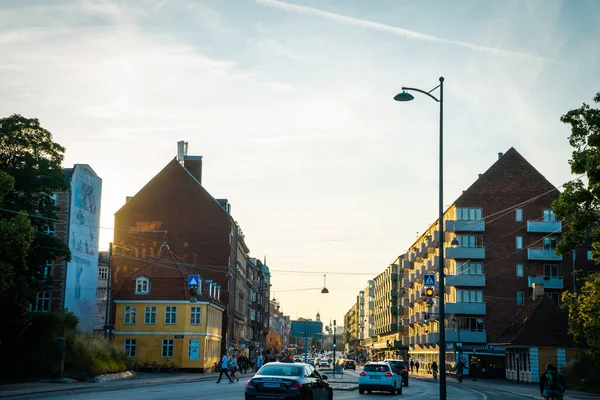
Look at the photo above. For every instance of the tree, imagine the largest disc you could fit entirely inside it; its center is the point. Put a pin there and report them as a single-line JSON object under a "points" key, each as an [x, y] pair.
{"points": [[579, 204], [31, 173], [584, 313], [579, 208]]}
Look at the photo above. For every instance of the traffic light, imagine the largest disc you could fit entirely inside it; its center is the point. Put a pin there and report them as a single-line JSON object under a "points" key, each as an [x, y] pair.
{"points": [[334, 345], [429, 292], [425, 317], [193, 290]]}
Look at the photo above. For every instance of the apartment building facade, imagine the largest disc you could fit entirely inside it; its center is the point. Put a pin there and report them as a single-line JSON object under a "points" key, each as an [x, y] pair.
{"points": [[499, 240], [367, 321], [352, 329], [175, 210]]}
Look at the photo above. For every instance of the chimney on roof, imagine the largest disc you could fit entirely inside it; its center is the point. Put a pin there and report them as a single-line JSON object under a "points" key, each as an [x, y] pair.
{"points": [[480, 175], [538, 290], [192, 163], [500, 155]]}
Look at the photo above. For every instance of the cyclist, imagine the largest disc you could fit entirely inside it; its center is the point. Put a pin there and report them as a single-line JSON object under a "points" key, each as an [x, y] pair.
{"points": [[552, 384]]}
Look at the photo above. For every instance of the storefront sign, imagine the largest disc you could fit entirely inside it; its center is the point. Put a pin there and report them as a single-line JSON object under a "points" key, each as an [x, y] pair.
{"points": [[483, 349], [194, 349]]}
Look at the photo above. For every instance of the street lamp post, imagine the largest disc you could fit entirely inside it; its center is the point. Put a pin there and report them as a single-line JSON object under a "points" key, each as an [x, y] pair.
{"points": [[404, 96]]}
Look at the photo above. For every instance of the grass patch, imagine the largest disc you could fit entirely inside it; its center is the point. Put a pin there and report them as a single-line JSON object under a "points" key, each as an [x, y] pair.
{"points": [[91, 355]]}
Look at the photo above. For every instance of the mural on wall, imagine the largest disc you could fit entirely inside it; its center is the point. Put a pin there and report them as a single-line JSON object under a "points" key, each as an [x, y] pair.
{"points": [[82, 270]]}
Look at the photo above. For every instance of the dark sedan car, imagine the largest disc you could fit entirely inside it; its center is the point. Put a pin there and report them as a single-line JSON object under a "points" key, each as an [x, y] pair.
{"points": [[400, 368], [350, 364], [288, 381]]}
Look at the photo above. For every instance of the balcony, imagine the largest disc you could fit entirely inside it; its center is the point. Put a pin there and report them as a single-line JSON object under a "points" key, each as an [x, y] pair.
{"points": [[464, 226], [408, 264], [412, 256], [433, 240], [465, 280], [394, 310], [432, 264], [555, 282], [405, 321], [469, 253], [542, 254], [465, 308], [405, 282], [394, 327], [544, 226], [395, 276], [463, 336]]}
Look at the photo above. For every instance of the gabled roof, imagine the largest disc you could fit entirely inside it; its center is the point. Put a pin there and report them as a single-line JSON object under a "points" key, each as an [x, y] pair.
{"points": [[509, 171], [168, 276], [540, 322]]}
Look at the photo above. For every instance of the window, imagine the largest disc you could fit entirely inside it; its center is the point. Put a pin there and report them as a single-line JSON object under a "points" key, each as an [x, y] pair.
{"points": [[520, 298], [167, 348], [170, 315], [469, 296], [103, 273], [555, 298], [42, 302], [550, 270], [589, 255], [150, 315], [253, 296], [550, 243], [48, 271], [519, 215], [129, 346], [520, 270], [470, 240], [469, 269], [129, 315], [472, 324], [49, 230], [549, 216], [252, 315], [519, 242], [469, 214], [142, 286], [196, 315]]}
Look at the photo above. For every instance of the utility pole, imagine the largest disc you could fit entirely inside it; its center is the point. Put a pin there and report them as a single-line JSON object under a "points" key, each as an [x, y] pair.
{"points": [[107, 324], [334, 346]]}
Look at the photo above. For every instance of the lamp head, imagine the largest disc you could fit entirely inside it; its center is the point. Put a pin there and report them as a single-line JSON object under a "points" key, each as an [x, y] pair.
{"points": [[403, 96], [324, 290]]}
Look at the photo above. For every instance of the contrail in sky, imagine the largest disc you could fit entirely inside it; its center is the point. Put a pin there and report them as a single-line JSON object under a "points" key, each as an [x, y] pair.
{"points": [[376, 26]]}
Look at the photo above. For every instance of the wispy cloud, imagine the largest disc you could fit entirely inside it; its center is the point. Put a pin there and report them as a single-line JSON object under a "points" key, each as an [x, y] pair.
{"points": [[406, 33]]}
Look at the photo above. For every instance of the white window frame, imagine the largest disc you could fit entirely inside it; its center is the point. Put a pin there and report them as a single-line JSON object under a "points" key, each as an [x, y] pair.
{"points": [[49, 230], [129, 346], [42, 302], [520, 298], [103, 273], [142, 285], [553, 269], [470, 241], [48, 270], [168, 348], [469, 296], [519, 215], [469, 213], [170, 315], [252, 315], [520, 270], [129, 315], [150, 315], [196, 315], [469, 268], [518, 242], [548, 215]]}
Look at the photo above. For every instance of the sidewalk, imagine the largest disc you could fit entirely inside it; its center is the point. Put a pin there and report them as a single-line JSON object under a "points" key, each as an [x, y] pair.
{"points": [[141, 378], [522, 389]]}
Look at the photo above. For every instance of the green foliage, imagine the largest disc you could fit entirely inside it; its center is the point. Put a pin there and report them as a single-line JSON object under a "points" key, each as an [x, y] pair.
{"points": [[579, 204], [584, 313], [30, 354], [91, 355], [582, 374], [30, 165]]}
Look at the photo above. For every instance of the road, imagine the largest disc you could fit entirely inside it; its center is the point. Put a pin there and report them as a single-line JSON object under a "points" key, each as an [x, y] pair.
{"points": [[417, 390]]}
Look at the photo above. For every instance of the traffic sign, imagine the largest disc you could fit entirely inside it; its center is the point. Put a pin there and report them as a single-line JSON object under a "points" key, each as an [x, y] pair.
{"points": [[429, 279], [193, 280]]}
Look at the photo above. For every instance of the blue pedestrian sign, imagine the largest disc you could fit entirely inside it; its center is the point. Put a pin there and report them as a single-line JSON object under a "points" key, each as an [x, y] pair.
{"points": [[429, 279], [193, 280]]}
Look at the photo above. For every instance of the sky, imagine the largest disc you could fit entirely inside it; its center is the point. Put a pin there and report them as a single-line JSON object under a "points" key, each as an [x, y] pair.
{"points": [[290, 103]]}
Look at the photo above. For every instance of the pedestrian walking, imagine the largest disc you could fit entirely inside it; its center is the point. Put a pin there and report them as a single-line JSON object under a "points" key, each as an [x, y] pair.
{"points": [[417, 366], [552, 384], [412, 366], [233, 368], [224, 368], [434, 369], [259, 361]]}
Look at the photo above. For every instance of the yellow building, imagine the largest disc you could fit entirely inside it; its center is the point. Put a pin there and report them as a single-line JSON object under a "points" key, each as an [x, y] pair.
{"points": [[273, 341], [166, 312]]}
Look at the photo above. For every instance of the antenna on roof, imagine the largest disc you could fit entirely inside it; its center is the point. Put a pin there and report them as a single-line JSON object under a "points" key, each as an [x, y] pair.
{"points": [[164, 246]]}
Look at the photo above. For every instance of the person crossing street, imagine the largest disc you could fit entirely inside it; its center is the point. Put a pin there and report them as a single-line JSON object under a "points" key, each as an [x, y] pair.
{"points": [[224, 368]]}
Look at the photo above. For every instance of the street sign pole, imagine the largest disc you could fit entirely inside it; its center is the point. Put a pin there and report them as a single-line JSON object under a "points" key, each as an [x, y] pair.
{"points": [[306, 342]]}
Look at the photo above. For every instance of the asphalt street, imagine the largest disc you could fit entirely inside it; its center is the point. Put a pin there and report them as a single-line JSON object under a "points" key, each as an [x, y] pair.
{"points": [[417, 389]]}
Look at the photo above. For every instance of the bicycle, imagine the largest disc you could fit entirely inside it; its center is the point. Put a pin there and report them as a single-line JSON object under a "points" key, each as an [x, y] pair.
{"points": [[147, 365], [156, 368]]}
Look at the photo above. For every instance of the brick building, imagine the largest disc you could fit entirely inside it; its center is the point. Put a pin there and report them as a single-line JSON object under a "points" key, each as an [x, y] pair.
{"points": [[499, 241], [176, 210]]}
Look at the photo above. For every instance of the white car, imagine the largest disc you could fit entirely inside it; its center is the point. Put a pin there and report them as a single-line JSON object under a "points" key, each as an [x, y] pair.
{"points": [[379, 376], [323, 363]]}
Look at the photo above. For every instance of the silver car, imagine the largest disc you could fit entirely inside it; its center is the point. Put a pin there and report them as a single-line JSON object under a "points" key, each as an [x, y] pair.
{"points": [[379, 376]]}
